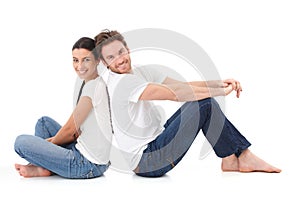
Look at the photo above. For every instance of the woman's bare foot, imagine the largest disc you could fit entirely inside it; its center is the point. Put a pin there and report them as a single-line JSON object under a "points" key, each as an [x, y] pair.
{"points": [[248, 162], [31, 171], [230, 163]]}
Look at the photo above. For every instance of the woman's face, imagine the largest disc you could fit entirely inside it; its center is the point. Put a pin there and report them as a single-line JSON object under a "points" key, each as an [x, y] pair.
{"points": [[85, 64]]}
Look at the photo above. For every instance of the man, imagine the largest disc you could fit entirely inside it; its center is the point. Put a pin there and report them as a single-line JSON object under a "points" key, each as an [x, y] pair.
{"points": [[151, 149]]}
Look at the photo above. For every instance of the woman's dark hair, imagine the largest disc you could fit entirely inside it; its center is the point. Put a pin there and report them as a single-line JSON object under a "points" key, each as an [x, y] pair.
{"points": [[86, 43]]}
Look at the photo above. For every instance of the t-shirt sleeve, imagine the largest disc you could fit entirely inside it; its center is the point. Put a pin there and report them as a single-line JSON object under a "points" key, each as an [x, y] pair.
{"points": [[130, 87], [136, 93], [96, 90], [89, 90], [152, 73]]}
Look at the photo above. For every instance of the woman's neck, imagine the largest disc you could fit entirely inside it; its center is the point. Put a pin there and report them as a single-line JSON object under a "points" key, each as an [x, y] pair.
{"points": [[91, 77]]}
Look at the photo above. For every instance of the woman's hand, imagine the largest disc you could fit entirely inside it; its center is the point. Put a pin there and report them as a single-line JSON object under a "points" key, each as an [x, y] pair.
{"points": [[49, 139]]}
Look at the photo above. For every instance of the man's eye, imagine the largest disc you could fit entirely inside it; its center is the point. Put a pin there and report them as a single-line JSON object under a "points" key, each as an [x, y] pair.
{"points": [[122, 52]]}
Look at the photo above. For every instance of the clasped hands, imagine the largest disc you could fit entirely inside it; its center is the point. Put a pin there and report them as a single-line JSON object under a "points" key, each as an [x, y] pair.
{"points": [[232, 85]]}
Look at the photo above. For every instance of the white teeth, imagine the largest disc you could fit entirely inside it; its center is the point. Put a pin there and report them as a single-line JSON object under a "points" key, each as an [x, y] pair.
{"points": [[82, 72], [122, 67]]}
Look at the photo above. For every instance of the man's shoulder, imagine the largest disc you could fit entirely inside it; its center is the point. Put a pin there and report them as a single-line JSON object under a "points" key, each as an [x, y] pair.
{"points": [[123, 80]]}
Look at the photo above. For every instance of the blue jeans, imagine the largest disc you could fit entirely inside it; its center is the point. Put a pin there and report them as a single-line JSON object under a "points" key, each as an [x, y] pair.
{"points": [[65, 161], [167, 150]]}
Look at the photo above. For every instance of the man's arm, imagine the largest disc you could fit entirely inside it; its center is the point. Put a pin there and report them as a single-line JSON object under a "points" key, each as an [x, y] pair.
{"points": [[158, 92], [181, 91], [212, 83], [214, 86]]}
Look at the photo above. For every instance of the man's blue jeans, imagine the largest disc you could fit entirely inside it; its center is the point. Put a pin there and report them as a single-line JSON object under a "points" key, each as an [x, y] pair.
{"points": [[65, 161], [166, 151]]}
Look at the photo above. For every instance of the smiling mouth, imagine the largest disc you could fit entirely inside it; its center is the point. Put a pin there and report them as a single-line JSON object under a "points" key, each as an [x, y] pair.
{"points": [[122, 67], [82, 71]]}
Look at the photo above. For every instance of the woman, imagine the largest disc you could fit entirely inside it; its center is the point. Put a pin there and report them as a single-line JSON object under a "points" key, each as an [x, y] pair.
{"points": [[79, 149]]}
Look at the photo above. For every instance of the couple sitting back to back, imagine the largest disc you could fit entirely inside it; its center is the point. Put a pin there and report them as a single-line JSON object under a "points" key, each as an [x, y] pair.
{"points": [[81, 148]]}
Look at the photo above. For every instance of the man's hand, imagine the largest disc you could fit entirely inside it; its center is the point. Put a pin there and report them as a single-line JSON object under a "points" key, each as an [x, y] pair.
{"points": [[236, 85]]}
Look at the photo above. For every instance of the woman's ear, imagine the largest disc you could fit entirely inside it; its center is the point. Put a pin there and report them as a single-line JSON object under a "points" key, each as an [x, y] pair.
{"points": [[98, 61]]}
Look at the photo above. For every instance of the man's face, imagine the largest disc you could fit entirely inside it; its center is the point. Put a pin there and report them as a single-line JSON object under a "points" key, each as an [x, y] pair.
{"points": [[116, 57]]}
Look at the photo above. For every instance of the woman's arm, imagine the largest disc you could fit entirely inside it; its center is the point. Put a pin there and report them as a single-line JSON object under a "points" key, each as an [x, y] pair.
{"points": [[71, 130]]}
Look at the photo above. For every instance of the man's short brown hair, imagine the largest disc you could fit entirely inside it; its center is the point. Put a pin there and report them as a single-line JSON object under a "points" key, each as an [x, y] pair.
{"points": [[106, 37]]}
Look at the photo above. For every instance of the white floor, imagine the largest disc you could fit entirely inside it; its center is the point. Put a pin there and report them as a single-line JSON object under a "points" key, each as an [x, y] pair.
{"points": [[191, 179], [255, 42]]}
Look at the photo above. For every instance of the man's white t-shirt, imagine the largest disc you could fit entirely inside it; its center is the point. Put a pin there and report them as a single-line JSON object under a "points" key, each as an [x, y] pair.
{"points": [[135, 123], [94, 142]]}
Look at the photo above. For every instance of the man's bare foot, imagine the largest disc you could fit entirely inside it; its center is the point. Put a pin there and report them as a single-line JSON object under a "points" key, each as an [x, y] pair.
{"points": [[230, 163], [248, 162], [31, 171]]}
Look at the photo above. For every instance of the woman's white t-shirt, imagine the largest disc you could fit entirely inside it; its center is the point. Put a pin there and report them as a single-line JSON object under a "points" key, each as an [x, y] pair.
{"points": [[94, 142]]}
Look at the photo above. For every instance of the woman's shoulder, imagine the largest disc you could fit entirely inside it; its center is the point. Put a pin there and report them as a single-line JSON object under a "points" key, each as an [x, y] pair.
{"points": [[96, 83]]}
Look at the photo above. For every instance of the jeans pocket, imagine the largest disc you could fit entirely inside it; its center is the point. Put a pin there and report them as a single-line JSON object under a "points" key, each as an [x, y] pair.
{"points": [[95, 171], [88, 175]]}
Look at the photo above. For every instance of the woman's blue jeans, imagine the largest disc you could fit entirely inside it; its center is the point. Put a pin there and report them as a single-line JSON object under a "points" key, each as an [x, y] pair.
{"points": [[65, 161], [166, 151]]}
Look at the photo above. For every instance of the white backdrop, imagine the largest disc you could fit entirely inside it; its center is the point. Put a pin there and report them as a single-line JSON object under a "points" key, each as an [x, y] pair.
{"points": [[256, 42]]}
